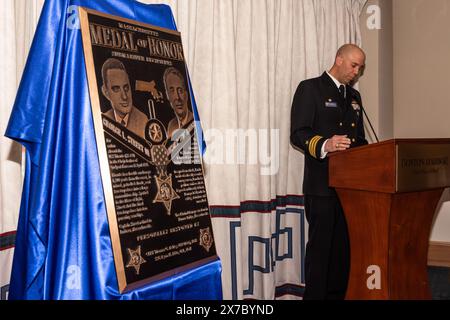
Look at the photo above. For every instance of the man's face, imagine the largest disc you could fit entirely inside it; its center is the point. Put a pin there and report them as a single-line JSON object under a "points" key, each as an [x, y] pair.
{"points": [[351, 65], [118, 91], [176, 92]]}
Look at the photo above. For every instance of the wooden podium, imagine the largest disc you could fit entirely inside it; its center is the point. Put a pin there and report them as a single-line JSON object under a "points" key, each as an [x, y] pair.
{"points": [[389, 192]]}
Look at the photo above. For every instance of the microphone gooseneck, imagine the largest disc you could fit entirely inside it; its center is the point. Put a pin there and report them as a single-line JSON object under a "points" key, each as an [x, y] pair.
{"points": [[370, 123]]}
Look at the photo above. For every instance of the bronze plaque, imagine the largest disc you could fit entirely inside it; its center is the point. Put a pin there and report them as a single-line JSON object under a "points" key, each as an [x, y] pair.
{"points": [[151, 169], [423, 166]]}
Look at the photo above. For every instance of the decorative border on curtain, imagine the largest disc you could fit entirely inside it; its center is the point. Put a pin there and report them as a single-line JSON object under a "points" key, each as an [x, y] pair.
{"points": [[7, 240], [255, 206]]}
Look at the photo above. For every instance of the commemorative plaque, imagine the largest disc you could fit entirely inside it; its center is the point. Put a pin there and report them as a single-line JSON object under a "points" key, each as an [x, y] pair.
{"points": [[150, 165]]}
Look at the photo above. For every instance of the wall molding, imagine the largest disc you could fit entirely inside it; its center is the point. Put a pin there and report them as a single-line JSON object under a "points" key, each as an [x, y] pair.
{"points": [[439, 254]]}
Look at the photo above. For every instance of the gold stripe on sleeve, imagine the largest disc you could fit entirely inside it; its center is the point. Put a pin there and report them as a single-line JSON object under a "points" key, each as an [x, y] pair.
{"points": [[313, 145]]}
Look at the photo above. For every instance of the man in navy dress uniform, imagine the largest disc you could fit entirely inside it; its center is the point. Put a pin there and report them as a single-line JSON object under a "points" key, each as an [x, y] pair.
{"points": [[326, 117]]}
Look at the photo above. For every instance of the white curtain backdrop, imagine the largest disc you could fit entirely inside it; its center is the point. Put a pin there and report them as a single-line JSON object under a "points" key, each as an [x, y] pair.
{"points": [[245, 59], [18, 19]]}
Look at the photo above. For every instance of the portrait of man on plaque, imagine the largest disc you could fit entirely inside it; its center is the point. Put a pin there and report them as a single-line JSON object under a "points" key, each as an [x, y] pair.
{"points": [[117, 89], [176, 92]]}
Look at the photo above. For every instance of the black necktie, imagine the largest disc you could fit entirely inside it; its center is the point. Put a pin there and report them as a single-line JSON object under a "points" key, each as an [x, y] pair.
{"points": [[342, 91]]}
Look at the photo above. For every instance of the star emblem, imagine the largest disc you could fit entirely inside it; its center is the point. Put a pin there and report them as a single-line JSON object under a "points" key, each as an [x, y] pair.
{"points": [[165, 194], [135, 259], [156, 132]]}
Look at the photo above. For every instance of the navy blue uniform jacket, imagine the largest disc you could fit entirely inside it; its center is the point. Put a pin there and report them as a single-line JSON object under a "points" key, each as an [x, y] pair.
{"points": [[318, 113]]}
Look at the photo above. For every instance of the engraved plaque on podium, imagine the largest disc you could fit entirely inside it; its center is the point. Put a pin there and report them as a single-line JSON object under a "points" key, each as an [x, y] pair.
{"points": [[422, 166]]}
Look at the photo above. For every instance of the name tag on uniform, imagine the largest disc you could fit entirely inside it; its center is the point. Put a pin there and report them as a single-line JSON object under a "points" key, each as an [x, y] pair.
{"points": [[331, 104]]}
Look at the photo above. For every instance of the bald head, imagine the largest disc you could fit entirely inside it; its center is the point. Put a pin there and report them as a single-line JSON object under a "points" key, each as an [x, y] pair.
{"points": [[349, 64], [349, 48]]}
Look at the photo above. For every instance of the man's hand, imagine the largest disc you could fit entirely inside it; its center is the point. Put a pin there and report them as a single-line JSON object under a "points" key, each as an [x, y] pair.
{"points": [[337, 143]]}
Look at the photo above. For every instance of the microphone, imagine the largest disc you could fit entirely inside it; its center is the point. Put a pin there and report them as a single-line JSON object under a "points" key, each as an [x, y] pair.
{"points": [[364, 111], [370, 123]]}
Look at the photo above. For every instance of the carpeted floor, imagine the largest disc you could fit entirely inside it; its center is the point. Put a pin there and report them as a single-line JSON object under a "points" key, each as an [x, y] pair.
{"points": [[439, 281]]}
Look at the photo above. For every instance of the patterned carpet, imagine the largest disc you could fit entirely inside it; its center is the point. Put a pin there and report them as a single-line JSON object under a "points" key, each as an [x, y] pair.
{"points": [[439, 280]]}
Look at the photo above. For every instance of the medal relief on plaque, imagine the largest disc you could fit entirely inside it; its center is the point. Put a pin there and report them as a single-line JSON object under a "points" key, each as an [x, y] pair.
{"points": [[147, 144]]}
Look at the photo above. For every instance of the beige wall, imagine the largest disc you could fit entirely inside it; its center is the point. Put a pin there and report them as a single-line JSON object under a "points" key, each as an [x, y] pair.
{"points": [[422, 68], [377, 83], [412, 101]]}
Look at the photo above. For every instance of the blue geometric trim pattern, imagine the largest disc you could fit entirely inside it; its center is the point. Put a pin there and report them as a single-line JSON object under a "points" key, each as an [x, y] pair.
{"points": [[270, 246]]}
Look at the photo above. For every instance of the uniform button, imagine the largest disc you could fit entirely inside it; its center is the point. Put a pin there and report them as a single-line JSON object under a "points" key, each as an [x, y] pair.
{"points": [[353, 125], [307, 142], [353, 140], [341, 124]]}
